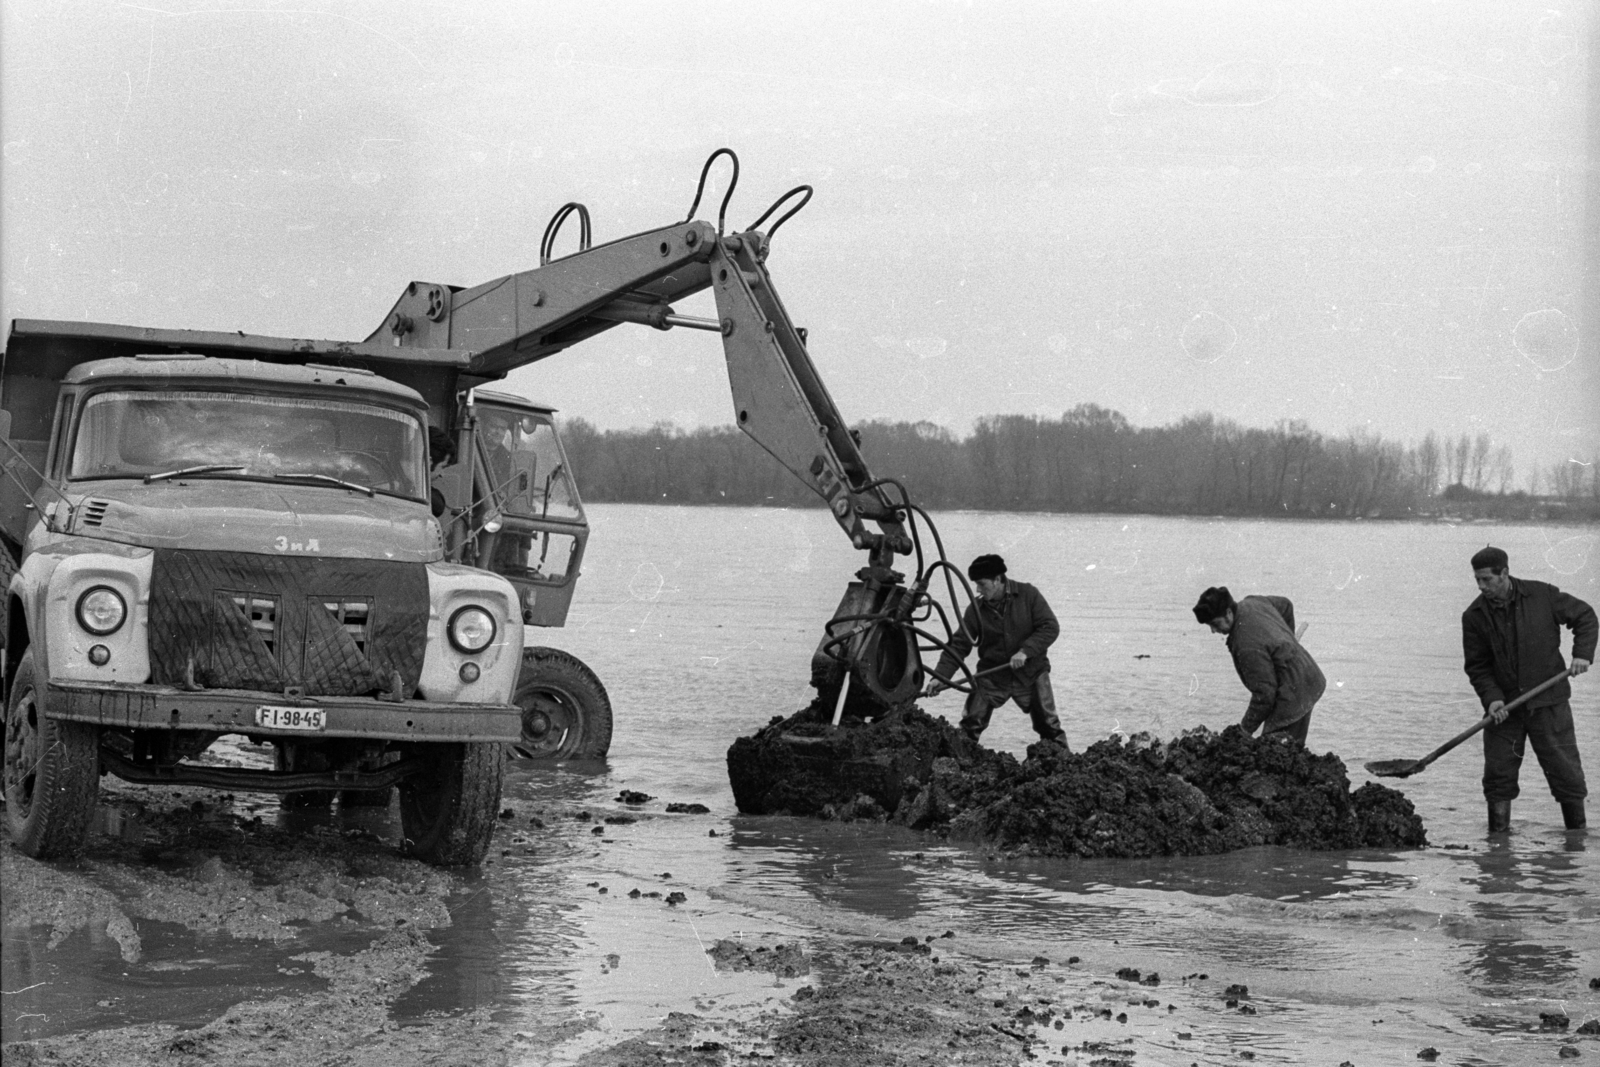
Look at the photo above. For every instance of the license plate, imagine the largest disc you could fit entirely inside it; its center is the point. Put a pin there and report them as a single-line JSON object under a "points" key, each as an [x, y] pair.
{"points": [[276, 718]]}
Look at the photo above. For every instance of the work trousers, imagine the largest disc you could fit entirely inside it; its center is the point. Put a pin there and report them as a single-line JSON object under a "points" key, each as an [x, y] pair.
{"points": [[1554, 742], [1034, 697], [1296, 730]]}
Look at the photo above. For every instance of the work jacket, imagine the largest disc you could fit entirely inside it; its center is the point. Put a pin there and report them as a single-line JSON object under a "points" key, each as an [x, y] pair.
{"points": [[1284, 681], [1020, 622], [1505, 662]]}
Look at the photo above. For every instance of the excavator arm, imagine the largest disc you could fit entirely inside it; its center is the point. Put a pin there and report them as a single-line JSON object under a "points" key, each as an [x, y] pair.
{"points": [[779, 398]]}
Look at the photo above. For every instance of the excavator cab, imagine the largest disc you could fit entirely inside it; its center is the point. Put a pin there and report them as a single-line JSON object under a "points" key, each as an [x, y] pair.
{"points": [[526, 521]]}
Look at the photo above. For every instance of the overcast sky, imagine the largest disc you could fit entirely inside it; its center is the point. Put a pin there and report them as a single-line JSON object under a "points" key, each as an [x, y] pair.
{"points": [[1356, 214]]}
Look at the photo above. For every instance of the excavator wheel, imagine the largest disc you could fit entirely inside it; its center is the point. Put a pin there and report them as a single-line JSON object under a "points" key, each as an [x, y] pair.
{"points": [[566, 713]]}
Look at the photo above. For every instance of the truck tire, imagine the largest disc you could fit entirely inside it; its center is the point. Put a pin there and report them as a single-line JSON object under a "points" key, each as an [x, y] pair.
{"points": [[448, 811], [52, 772], [566, 713]]}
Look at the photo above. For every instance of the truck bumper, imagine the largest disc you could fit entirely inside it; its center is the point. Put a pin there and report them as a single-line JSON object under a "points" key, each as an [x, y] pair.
{"points": [[233, 711]]}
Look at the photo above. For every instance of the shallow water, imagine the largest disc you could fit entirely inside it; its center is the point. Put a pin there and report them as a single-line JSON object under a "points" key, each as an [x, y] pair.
{"points": [[702, 623]]}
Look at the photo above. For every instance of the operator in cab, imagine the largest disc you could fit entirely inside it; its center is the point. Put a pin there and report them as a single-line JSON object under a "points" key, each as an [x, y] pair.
{"points": [[1014, 627]]}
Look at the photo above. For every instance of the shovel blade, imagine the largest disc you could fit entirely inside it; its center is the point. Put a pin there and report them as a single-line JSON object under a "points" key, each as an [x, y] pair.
{"points": [[1393, 768]]}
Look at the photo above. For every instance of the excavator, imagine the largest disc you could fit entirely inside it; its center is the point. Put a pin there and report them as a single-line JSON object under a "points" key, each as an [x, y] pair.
{"points": [[334, 547], [779, 400]]}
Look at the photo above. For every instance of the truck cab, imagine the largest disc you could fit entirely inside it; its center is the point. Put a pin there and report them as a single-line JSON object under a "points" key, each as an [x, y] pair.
{"points": [[219, 545]]}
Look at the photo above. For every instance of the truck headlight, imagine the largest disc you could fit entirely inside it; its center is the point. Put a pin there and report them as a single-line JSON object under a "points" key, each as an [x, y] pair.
{"points": [[471, 629], [101, 610]]}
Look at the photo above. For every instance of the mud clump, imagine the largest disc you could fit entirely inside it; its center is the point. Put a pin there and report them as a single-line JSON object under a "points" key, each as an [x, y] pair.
{"points": [[688, 809], [803, 765], [1198, 794], [782, 960]]}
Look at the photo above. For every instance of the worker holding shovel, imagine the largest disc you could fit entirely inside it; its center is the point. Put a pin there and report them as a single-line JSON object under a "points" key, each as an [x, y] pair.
{"points": [[1511, 637], [1014, 626]]}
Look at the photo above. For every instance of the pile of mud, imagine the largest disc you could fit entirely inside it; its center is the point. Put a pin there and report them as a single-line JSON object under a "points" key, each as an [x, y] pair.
{"points": [[1199, 794]]}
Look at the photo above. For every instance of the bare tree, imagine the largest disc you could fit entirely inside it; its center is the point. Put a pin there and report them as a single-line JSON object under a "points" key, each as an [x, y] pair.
{"points": [[1458, 458], [1479, 463], [1428, 463], [1502, 470], [1567, 479]]}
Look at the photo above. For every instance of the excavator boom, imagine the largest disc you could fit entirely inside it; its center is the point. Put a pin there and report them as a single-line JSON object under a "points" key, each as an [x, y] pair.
{"points": [[779, 398]]}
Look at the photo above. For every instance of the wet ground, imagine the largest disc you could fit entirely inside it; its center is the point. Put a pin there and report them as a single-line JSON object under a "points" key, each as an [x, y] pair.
{"points": [[608, 930]]}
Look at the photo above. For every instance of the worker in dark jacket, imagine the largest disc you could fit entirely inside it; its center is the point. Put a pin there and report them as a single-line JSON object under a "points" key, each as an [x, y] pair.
{"points": [[1014, 626], [1285, 683], [1511, 639]]}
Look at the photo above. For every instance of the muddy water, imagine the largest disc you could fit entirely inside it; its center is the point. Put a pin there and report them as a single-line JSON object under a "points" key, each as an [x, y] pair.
{"points": [[1471, 936], [702, 622]]}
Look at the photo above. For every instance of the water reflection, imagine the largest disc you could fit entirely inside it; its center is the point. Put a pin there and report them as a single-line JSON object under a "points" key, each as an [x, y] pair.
{"points": [[855, 867], [472, 967], [1195, 905], [1523, 893], [181, 978]]}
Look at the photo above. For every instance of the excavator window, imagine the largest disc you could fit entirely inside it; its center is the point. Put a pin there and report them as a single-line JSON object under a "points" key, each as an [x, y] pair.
{"points": [[525, 465], [543, 556]]}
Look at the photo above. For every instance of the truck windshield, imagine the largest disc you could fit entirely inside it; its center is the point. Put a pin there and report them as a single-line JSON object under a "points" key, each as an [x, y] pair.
{"points": [[124, 434]]}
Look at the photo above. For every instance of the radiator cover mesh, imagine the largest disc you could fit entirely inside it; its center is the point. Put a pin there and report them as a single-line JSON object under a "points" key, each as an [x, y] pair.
{"points": [[195, 613]]}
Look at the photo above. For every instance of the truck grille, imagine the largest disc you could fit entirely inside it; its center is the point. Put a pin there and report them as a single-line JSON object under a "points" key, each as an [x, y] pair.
{"points": [[262, 611], [331, 627], [353, 617]]}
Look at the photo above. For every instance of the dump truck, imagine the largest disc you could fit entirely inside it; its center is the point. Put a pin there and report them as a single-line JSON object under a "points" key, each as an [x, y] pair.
{"points": [[343, 548]]}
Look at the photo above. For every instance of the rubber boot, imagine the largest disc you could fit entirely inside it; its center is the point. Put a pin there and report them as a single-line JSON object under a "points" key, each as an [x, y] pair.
{"points": [[1572, 814], [1499, 816]]}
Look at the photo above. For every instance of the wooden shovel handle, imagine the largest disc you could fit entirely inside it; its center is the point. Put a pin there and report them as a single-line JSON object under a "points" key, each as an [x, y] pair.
{"points": [[1487, 719]]}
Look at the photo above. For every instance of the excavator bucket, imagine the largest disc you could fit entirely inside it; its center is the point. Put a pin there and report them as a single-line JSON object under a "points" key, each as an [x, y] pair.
{"points": [[867, 645]]}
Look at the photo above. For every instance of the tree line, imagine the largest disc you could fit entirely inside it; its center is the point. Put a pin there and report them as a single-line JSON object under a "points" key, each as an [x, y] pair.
{"points": [[1092, 459]]}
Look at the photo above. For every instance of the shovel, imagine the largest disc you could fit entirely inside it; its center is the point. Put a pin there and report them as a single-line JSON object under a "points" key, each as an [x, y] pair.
{"points": [[948, 684], [1405, 768], [844, 690]]}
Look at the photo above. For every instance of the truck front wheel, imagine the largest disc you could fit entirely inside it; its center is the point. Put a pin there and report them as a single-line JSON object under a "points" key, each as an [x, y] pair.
{"points": [[448, 809], [566, 713], [52, 772]]}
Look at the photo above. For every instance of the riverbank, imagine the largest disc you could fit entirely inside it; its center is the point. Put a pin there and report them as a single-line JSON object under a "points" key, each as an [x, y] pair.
{"points": [[204, 927]]}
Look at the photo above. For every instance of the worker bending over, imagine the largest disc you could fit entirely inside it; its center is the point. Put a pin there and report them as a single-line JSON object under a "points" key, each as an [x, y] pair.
{"points": [[1285, 683]]}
